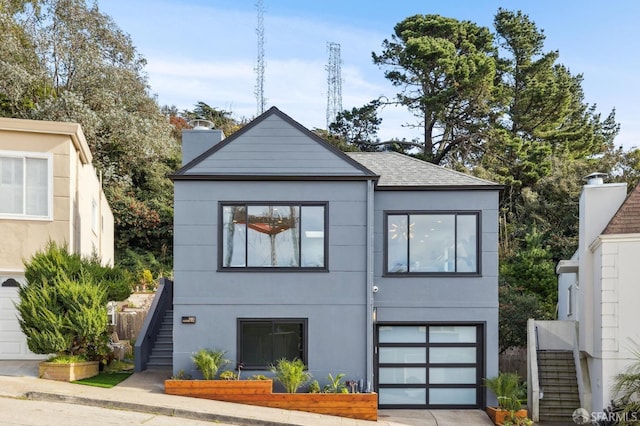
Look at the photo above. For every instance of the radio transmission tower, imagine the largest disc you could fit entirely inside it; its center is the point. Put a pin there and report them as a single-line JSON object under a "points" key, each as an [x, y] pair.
{"points": [[334, 80], [260, 61]]}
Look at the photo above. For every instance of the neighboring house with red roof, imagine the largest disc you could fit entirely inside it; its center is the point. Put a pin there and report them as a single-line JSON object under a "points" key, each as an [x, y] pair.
{"points": [[599, 288]]}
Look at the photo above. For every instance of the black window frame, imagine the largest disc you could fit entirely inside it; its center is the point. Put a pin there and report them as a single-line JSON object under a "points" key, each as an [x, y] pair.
{"points": [[246, 268], [303, 322], [480, 364], [455, 213]]}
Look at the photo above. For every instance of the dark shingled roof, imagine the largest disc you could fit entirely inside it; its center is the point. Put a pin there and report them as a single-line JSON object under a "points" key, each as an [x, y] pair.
{"points": [[627, 218], [401, 171]]}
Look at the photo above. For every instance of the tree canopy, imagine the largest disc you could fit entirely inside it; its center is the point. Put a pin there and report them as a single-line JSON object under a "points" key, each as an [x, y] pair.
{"points": [[502, 107], [66, 61], [445, 70]]}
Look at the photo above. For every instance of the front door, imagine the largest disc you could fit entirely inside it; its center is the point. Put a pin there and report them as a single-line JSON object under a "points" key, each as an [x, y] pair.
{"points": [[430, 365]]}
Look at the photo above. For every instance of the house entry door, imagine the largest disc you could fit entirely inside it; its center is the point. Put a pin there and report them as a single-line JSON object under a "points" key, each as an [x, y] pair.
{"points": [[430, 365]]}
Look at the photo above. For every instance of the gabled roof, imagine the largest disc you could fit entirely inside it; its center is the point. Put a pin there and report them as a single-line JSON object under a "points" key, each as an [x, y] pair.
{"points": [[401, 172], [276, 147], [273, 147], [627, 218]]}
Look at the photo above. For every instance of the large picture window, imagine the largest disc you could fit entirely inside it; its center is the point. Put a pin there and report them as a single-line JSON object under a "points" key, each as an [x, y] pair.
{"points": [[432, 243], [263, 342], [273, 236], [25, 185]]}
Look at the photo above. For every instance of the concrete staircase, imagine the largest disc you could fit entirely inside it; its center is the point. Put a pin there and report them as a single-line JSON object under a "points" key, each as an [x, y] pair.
{"points": [[558, 382], [162, 352]]}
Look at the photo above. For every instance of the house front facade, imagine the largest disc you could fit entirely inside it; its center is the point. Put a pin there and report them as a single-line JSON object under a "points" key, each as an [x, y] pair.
{"points": [[49, 191], [598, 287], [376, 265]]}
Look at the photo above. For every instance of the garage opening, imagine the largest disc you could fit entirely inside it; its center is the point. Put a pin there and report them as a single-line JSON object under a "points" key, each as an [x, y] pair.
{"points": [[430, 365]]}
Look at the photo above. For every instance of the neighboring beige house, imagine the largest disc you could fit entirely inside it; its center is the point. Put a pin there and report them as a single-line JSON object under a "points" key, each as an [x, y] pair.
{"points": [[48, 191], [598, 296]]}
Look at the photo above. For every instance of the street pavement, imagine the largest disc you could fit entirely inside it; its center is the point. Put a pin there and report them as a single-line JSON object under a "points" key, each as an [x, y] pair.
{"points": [[144, 393], [19, 412]]}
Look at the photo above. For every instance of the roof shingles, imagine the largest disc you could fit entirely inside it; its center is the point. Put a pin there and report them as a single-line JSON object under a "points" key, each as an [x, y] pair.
{"points": [[627, 218], [397, 170]]}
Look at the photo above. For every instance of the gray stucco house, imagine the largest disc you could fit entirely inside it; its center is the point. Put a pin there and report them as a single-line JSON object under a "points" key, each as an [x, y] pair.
{"points": [[376, 265]]}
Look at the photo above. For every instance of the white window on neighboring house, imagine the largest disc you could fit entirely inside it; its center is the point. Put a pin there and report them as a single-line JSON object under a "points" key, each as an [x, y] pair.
{"points": [[570, 301], [26, 185], [94, 216]]}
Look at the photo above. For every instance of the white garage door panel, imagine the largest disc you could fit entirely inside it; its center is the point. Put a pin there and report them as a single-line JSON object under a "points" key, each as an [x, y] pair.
{"points": [[13, 343], [429, 365]]}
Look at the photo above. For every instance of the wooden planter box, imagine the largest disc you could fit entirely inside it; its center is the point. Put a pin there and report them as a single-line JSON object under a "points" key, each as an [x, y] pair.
{"points": [[497, 415], [220, 390], [67, 372], [363, 406]]}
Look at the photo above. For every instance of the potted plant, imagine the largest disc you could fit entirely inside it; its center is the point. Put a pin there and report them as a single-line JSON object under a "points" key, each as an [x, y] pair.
{"points": [[506, 387]]}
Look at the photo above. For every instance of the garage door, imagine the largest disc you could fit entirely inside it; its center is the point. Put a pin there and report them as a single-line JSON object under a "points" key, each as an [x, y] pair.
{"points": [[430, 365], [13, 343]]}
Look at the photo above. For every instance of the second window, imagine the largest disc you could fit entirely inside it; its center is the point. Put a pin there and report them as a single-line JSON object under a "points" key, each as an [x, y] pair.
{"points": [[436, 243]]}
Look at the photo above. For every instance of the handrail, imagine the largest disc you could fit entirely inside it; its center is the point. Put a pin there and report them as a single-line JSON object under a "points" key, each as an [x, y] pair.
{"points": [[162, 302], [584, 383], [533, 385]]}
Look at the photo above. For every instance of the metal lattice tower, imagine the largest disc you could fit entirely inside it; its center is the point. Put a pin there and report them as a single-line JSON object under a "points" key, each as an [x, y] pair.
{"points": [[259, 91], [334, 80]]}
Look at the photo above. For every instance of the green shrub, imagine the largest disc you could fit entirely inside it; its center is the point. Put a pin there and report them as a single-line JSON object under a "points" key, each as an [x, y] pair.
{"points": [[335, 384], [314, 387], [228, 375], [209, 361], [291, 374], [66, 359], [56, 261], [65, 317]]}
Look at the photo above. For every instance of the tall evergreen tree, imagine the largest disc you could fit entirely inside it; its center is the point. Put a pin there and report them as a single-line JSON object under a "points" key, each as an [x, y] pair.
{"points": [[445, 70]]}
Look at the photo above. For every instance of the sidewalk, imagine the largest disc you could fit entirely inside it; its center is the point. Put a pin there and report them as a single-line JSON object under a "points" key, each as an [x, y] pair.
{"points": [[145, 392]]}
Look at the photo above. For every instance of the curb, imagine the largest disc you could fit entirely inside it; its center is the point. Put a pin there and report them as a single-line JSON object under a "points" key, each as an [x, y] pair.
{"points": [[152, 409]]}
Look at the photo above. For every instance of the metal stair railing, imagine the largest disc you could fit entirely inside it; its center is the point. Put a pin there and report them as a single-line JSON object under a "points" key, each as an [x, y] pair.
{"points": [[162, 302]]}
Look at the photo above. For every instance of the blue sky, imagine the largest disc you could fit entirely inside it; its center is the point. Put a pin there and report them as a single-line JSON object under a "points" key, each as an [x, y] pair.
{"points": [[205, 50]]}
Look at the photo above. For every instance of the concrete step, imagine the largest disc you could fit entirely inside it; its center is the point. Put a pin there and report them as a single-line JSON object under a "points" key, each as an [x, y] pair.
{"points": [[164, 365], [552, 395], [555, 411], [554, 354], [160, 359], [572, 402], [556, 374], [567, 388], [557, 363]]}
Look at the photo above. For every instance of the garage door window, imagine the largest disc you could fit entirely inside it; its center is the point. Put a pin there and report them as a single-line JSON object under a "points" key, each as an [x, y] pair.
{"points": [[430, 366]]}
